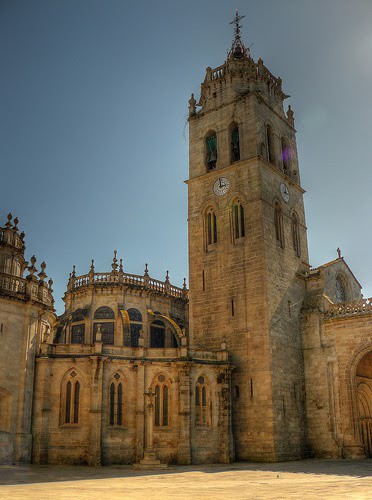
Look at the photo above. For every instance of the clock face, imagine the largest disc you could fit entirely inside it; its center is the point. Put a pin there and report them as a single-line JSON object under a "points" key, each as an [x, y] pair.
{"points": [[284, 191], [221, 186]]}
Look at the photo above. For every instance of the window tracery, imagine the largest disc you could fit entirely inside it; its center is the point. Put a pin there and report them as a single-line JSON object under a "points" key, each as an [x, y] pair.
{"points": [[70, 403], [162, 403], [116, 401], [202, 403], [238, 220], [211, 227], [235, 144]]}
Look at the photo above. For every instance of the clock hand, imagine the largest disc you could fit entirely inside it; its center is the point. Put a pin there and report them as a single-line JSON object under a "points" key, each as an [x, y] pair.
{"points": [[220, 183]]}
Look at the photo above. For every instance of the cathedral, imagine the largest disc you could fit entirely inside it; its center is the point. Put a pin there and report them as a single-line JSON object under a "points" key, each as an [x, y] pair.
{"points": [[262, 358]]}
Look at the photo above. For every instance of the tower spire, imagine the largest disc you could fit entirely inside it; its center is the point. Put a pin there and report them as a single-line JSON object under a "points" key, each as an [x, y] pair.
{"points": [[237, 50]]}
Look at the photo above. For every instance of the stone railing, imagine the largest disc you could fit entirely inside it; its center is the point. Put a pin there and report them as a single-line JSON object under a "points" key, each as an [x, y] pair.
{"points": [[24, 289], [13, 285], [118, 278], [356, 308]]}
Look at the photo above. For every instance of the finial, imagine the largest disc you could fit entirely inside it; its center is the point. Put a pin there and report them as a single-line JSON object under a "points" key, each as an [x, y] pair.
{"points": [[167, 277], [339, 253], [146, 273], [42, 275], [114, 264], [237, 50], [92, 266], [50, 283], [192, 105], [22, 235], [16, 220], [184, 284], [73, 274], [121, 270], [290, 115], [32, 269], [9, 217]]}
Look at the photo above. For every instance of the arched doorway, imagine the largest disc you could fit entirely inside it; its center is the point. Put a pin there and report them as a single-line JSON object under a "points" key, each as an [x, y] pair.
{"points": [[364, 392]]}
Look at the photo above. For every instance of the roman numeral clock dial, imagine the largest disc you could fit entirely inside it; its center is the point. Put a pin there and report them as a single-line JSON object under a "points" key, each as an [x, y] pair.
{"points": [[221, 186]]}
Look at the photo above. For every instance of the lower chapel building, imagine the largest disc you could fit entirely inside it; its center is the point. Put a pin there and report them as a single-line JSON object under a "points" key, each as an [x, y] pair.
{"points": [[263, 358]]}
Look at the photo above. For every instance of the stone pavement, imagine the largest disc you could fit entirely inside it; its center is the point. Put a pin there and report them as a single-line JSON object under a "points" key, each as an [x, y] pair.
{"points": [[301, 479]]}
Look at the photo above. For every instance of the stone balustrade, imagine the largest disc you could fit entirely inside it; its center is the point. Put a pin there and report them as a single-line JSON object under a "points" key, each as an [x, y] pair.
{"points": [[355, 308], [21, 288], [120, 278]]}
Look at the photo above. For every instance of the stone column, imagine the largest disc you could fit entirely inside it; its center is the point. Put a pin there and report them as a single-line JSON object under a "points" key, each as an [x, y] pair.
{"points": [[184, 451], [150, 460], [95, 415]]}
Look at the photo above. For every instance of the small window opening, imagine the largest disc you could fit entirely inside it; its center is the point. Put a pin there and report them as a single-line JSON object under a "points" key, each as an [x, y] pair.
{"points": [[278, 220], [251, 388], [211, 228], [203, 278], [232, 308]]}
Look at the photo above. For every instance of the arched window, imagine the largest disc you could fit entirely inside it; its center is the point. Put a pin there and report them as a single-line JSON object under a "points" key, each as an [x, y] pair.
{"points": [[105, 328], [211, 227], [235, 145], [116, 401], [202, 404], [157, 334], [78, 334], [340, 290], [71, 400], [278, 221], [296, 234], [161, 402], [135, 318], [211, 148], [104, 312], [286, 156], [238, 220], [270, 144]]}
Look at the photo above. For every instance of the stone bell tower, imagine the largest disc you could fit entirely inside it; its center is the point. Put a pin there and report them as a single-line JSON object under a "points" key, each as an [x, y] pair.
{"points": [[26, 319], [248, 249]]}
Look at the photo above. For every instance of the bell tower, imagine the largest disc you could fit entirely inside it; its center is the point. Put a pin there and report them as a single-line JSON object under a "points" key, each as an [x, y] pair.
{"points": [[248, 249]]}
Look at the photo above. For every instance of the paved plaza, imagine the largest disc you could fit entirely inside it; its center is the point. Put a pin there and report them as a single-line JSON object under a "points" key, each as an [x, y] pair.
{"points": [[300, 479]]}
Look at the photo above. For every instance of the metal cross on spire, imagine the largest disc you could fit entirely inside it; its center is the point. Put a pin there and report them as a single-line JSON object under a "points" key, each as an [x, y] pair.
{"points": [[237, 48], [238, 26]]}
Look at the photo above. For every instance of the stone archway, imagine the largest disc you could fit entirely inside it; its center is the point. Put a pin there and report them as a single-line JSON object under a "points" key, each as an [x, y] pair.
{"points": [[364, 394]]}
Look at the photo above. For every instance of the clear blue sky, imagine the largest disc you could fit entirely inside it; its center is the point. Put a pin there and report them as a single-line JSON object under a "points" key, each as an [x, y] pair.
{"points": [[93, 110]]}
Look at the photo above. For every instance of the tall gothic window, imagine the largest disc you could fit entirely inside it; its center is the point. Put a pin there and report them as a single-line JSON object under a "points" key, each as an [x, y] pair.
{"points": [[270, 144], [157, 334], [238, 220], [135, 318], [71, 400], [202, 414], [211, 227], [211, 147], [161, 402], [296, 234], [235, 145], [116, 401], [278, 221]]}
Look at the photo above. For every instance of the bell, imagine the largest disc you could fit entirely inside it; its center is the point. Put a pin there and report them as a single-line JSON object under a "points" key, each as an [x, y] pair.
{"points": [[212, 157]]}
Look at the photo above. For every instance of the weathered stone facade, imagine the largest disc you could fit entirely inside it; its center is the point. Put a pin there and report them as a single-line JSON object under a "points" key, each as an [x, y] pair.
{"points": [[264, 358]]}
